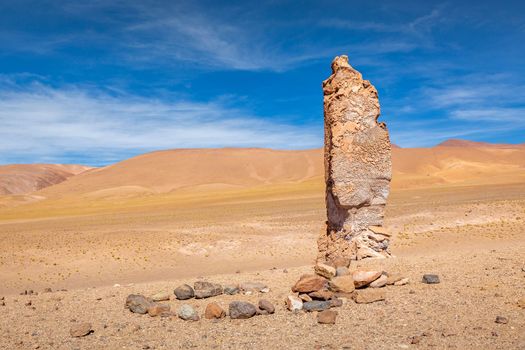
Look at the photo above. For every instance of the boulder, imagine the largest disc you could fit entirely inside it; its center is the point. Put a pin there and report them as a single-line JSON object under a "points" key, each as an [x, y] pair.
{"points": [[342, 284], [327, 317], [184, 292], [138, 304], [213, 310], [309, 283], [367, 296], [241, 310], [380, 282], [188, 313], [324, 270], [267, 306], [430, 279], [293, 303], [364, 278], [231, 290], [81, 329], [316, 305], [158, 310], [206, 289]]}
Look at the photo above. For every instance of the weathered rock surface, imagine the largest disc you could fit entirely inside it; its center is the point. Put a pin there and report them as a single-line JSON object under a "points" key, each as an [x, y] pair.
{"points": [[241, 310], [380, 282], [342, 271], [81, 329], [161, 296], [184, 292], [231, 290], [430, 279], [188, 313], [316, 305], [358, 166], [138, 304], [325, 270], [158, 310], [343, 284], [267, 306], [402, 282], [213, 310], [293, 303], [322, 295], [327, 317], [364, 278], [367, 296], [309, 283], [206, 289]]}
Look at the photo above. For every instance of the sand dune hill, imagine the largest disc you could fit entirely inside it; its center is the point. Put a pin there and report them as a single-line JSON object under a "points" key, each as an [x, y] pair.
{"points": [[468, 143], [26, 178], [218, 169], [195, 169]]}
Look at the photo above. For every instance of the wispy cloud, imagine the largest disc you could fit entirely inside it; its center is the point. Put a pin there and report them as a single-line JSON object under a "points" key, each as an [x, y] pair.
{"points": [[40, 123]]}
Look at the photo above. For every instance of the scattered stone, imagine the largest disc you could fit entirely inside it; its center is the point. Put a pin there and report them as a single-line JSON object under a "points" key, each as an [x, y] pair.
{"points": [[380, 282], [364, 278], [29, 303], [521, 303], [416, 339], [343, 284], [266, 306], [241, 310], [393, 278], [81, 329], [305, 297], [213, 310], [342, 271], [430, 279], [253, 287], [184, 292], [206, 289], [159, 310], [293, 303], [327, 317], [309, 283], [2, 303], [402, 282], [48, 290], [324, 270], [316, 305], [367, 296], [231, 290], [188, 313], [322, 295], [502, 320], [358, 162], [138, 304], [336, 302], [161, 296]]}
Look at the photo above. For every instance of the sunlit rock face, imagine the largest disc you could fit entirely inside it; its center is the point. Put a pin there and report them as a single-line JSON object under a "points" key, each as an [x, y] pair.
{"points": [[358, 167]]}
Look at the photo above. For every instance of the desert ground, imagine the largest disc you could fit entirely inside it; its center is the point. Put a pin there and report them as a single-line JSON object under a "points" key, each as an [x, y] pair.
{"points": [[229, 216]]}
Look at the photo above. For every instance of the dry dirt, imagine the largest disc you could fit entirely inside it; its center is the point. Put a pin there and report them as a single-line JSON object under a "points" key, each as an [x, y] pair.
{"points": [[472, 236]]}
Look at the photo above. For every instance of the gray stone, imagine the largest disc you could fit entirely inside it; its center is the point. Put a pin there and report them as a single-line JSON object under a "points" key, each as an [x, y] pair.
{"points": [[138, 304], [430, 279], [206, 289], [188, 313], [316, 305], [231, 290], [241, 310], [184, 292]]}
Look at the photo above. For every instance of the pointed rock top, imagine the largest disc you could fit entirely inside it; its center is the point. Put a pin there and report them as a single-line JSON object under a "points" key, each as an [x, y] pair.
{"points": [[340, 62]]}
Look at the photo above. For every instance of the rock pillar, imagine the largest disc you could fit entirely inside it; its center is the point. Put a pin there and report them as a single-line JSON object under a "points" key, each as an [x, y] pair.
{"points": [[358, 167]]}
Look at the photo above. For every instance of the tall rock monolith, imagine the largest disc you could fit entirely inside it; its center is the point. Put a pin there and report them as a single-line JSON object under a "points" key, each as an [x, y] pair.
{"points": [[358, 168]]}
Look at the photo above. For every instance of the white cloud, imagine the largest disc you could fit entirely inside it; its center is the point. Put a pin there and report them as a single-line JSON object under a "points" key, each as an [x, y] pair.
{"points": [[40, 123]]}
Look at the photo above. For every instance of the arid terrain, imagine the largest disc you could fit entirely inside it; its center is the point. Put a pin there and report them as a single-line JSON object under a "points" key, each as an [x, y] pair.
{"points": [[153, 222]]}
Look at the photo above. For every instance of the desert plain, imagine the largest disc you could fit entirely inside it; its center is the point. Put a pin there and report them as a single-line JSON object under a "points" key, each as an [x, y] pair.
{"points": [[156, 221]]}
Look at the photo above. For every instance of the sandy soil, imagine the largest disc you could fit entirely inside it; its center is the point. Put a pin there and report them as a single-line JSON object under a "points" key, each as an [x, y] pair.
{"points": [[472, 236]]}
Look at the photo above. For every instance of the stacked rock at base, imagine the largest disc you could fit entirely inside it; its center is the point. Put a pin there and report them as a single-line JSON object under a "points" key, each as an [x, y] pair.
{"points": [[358, 167]]}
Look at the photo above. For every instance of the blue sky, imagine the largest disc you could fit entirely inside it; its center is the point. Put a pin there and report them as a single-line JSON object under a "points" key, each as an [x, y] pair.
{"points": [[95, 82]]}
